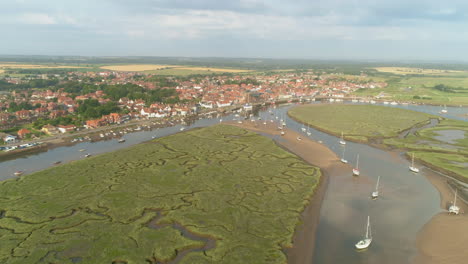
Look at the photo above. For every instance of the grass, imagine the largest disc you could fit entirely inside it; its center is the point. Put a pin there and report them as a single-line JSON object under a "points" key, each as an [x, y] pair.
{"points": [[359, 122], [409, 88], [222, 184]]}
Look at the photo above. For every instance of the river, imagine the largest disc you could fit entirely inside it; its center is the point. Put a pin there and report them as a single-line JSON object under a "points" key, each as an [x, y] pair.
{"points": [[407, 201]]}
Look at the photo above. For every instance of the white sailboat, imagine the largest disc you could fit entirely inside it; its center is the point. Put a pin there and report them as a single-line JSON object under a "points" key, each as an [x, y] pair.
{"points": [[342, 142], [356, 171], [308, 131], [303, 128], [342, 157], [375, 193], [412, 167], [365, 243], [444, 111], [454, 209]]}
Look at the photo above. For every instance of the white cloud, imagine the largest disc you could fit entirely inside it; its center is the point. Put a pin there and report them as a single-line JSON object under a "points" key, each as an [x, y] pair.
{"points": [[36, 19]]}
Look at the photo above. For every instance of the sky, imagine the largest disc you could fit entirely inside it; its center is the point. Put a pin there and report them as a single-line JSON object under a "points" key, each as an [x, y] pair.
{"points": [[309, 29]]}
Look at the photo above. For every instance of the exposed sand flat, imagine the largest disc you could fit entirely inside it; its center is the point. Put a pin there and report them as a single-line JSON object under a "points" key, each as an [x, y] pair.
{"points": [[444, 238], [318, 155]]}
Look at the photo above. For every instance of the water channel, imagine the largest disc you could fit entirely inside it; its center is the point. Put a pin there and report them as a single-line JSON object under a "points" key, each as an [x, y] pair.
{"points": [[407, 201]]}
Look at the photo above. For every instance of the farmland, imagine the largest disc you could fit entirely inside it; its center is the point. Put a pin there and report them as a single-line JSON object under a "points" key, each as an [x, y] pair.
{"points": [[37, 66], [170, 69], [213, 195], [415, 71], [134, 67]]}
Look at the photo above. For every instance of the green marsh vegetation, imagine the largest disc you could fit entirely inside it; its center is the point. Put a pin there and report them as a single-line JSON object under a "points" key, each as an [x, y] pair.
{"points": [[228, 187], [443, 146], [359, 122]]}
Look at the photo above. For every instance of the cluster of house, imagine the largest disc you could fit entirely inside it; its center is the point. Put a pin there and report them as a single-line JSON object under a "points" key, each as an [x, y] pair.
{"points": [[207, 92]]}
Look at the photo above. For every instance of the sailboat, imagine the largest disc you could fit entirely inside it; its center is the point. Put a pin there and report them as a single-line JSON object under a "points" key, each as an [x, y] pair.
{"points": [[342, 142], [444, 111], [308, 131], [342, 157], [303, 128], [454, 209], [412, 167], [365, 243], [375, 193], [356, 170]]}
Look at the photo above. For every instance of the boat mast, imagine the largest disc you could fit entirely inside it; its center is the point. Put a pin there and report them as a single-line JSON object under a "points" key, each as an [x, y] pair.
{"points": [[377, 186], [357, 162], [367, 228], [412, 160], [455, 200]]}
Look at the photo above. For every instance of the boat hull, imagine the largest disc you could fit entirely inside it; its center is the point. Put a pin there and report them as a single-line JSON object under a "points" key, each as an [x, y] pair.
{"points": [[363, 244]]}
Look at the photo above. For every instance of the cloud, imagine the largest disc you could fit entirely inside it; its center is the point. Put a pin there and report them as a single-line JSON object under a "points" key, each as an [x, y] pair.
{"points": [[240, 27], [36, 19]]}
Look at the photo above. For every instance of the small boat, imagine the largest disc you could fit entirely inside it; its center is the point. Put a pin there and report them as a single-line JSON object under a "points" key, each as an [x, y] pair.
{"points": [[308, 131], [375, 193], [303, 128], [282, 133], [343, 160], [444, 110], [101, 135], [220, 120], [412, 167], [81, 150], [299, 138], [356, 171], [365, 243], [454, 209], [240, 122], [87, 155], [57, 162], [265, 123], [121, 140], [182, 128], [342, 142], [18, 173]]}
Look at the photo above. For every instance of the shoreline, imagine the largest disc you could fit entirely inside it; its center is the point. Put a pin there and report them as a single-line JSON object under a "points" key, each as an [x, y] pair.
{"points": [[304, 236], [449, 230]]}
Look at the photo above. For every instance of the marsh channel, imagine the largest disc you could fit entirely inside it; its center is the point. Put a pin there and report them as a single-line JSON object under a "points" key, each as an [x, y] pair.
{"points": [[407, 201]]}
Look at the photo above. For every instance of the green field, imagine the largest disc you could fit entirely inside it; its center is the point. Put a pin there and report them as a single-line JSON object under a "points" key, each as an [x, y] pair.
{"points": [[213, 195], [358, 122], [421, 89]]}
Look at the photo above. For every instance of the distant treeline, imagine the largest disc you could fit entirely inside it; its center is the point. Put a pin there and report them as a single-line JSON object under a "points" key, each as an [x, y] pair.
{"points": [[244, 63]]}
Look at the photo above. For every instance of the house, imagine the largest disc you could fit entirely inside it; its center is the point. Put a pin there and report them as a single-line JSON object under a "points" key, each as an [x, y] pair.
{"points": [[22, 114], [65, 129], [49, 130], [9, 139], [22, 133], [95, 123], [4, 117]]}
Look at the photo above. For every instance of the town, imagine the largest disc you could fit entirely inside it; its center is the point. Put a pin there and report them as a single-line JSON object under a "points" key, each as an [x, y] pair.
{"points": [[45, 105]]}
